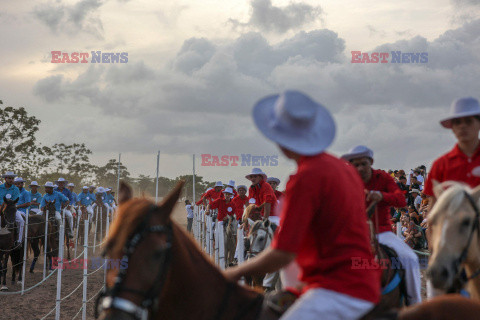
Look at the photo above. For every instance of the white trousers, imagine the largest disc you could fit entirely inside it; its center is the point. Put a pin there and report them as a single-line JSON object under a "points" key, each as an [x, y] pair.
{"points": [[409, 261], [19, 220], [327, 305], [69, 216], [36, 211]]}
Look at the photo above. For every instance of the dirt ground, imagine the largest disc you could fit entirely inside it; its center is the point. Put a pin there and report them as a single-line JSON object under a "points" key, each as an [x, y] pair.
{"points": [[39, 301]]}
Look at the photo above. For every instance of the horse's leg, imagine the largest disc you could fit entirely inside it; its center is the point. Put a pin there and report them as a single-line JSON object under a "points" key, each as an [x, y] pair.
{"points": [[36, 252], [68, 247]]}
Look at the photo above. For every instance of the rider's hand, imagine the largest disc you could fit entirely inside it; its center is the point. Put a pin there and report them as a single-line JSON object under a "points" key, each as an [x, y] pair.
{"points": [[374, 196]]}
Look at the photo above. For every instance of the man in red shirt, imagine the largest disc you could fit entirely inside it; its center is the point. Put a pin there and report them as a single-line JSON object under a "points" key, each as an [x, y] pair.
{"points": [[213, 194], [231, 184], [319, 230], [224, 205], [462, 163], [274, 182], [240, 201], [199, 202], [262, 192], [380, 187]]}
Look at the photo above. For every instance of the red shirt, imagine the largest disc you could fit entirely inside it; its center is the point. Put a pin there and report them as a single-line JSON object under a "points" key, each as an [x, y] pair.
{"points": [[239, 202], [263, 193], [212, 195], [325, 231], [223, 207], [454, 166], [392, 197], [278, 194]]}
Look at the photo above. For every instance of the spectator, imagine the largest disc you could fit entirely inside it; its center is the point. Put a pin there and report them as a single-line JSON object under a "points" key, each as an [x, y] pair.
{"points": [[414, 236], [416, 199], [188, 207]]}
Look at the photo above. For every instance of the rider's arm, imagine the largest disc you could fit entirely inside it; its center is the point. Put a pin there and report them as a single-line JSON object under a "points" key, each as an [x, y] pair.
{"points": [[266, 210], [393, 196]]}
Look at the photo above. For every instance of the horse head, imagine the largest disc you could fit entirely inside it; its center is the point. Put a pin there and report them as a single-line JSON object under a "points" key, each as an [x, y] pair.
{"points": [[51, 209], [260, 237], [454, 222], [9, 211]]}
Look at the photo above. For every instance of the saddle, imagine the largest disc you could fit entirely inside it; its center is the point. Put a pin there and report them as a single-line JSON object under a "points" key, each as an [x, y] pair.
{"points": [[278, 302]]}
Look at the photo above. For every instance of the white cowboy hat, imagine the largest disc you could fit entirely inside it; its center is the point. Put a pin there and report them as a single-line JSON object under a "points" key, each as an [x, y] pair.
{"points": [[108, 189], [34, 183], [272, 179], [358, 152], [70, 185], [49, 184], [242, 187], [18, 179], [415, 191], [256, 171], [55, 186], [61, 180], [252, 201], [463, 107], [231, 183], [9, 174], [294, 121], [219, 184], [85, 187], [228, 190], [100, 190]]}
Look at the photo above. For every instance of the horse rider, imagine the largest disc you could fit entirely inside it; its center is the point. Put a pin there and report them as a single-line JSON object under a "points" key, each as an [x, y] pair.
{"points": [[23, 203], [275, 182], [462, 163], [213, 194], [36, 198], [67, 193], [200, 202], [240, 201], [84, 198], [11, 192], [263, 194], [61, 201], [71, 187], [231, 184], [224, 205], [109, 198], [319, 230], [91, 192], [380, 187]]}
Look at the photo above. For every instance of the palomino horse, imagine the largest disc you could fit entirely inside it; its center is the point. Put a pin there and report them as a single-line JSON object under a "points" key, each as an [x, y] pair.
{"points": [[165, 263], [231, 225]]}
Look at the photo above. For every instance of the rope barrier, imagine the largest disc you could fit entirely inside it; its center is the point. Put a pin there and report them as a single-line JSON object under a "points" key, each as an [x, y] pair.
{"points": [[89, 274], [70, 294], [97, 245], [50, 312], [29, 289]]}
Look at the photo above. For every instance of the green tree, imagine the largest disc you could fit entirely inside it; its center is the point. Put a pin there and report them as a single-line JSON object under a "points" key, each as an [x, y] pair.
{"points": [[106, 175]]}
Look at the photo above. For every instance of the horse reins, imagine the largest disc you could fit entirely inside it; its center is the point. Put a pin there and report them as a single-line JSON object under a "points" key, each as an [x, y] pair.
{"points": [[109, 297], [475, 227]]}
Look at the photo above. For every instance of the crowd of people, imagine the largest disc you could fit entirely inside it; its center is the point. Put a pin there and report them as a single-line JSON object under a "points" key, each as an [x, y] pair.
{"points": [[61, 194]]}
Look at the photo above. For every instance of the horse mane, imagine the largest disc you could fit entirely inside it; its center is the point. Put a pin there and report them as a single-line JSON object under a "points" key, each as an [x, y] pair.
{"points": [[450, 200], [247, 212]]}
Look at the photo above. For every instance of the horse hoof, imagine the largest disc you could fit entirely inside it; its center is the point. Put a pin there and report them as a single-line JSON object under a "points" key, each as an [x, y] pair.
{"points": [[4, 288]]}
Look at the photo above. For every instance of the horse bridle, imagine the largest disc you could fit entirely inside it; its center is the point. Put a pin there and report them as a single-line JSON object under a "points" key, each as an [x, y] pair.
{"points": [[252, 253], [109, 299], [475, 227]]}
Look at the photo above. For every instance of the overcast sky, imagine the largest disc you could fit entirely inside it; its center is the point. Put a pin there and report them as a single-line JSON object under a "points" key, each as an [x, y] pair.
{"points": [[196, 68]]}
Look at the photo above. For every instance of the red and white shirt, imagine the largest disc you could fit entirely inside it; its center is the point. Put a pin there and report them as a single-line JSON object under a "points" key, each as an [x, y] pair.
{"points": [[454, 166], [263, 193], [392, 197], [323, 222], [224, 208]]}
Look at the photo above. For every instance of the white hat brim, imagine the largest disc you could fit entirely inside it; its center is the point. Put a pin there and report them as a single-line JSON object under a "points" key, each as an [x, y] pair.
{"points": [[357, 155], [254, 174], [447, 122], [319, 139]]}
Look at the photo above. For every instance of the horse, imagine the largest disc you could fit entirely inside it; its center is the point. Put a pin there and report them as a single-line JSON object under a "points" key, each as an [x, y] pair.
{"points": [[165, 263], [82, 218], [231, 225], [100, 229], [36, 236], [8, 234], [454, 222], [53, 229]]}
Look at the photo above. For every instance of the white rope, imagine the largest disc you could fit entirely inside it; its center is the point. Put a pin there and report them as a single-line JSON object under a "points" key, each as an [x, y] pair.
{"points": [[49, 313], [31, 288], [68, 296], [89, 274]]}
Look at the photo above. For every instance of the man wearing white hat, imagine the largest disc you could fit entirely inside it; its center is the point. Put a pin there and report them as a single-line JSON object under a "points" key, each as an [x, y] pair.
{"points": [[240, 201], [274, 182], [109, 198], [224, 205], [262, 192], [213, 194], [68, 210], [36, 198], [231, 184], [9, 191], [84, 198], [200, 202], [380, 187], [24, 199], [61, 201], [319, 230]]}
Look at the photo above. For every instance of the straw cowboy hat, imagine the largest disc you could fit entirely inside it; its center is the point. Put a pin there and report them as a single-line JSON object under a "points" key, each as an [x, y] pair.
{"points": [[228, 190], [463, 107], [49, 184], [9, 174], [219, 184], [242, 187], [18, 179], [34, 183], [272, 179], [358, 152], [256, 171], [294, 121], [61, 180]]}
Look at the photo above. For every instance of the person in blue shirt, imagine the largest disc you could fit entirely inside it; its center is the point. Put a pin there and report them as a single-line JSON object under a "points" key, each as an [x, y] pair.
{"points": [[86, 199], [71, 187], [91, 192], [11, 192], [35, 198], [61, 201], [23, 203], [101, 195], [110, 199], [68, 212]]}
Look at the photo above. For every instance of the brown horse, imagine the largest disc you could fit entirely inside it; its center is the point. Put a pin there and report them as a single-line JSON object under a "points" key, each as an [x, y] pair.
{"points": [[83, 217], [8, 235], [36, 236], [168, 275], [52, 233]]}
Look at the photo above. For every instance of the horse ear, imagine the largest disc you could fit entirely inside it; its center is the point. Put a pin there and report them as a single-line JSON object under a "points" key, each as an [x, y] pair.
{"points": [[125, 192], [172, 198], [438, 188], [266, 223], [251, 222], [476, 193]]}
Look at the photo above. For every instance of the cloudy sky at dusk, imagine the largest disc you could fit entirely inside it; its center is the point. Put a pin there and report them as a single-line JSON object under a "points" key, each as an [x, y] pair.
{"points": [[196, 68]]}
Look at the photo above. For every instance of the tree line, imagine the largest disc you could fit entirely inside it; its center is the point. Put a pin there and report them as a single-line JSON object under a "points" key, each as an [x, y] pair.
{"points": [[21, 152]]}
